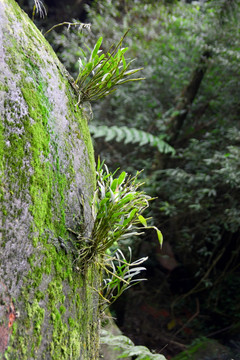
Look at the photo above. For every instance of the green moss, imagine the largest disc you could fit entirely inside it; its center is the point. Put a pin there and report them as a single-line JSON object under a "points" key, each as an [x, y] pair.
{"points": [[84, 134], [55, 294], [89, 149], [71, 322], [62, 309], [14, 328], [36, 313], [39, 138], [39, 295], [52, 289], [23, 347], [31, 259], [3, 87], [35, 241]]}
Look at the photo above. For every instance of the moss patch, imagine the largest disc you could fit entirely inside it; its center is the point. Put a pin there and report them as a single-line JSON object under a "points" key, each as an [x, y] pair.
{"points": [[56, 302]]}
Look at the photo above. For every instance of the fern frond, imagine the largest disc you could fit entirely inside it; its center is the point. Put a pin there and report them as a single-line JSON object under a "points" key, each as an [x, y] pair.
{"points": [[130, 135]]}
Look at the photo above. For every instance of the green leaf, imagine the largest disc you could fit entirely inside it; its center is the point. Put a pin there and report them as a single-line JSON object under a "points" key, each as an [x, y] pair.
{"points": [[131, 135], [160, 236], [89, 67], [114, 185], [121, 177], [105, 76], [142, 220], [96, 48], [126, 199], [130, 217], [133, 71]]}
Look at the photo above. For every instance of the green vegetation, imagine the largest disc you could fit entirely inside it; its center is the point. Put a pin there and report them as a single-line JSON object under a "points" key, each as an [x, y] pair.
{"points": [[127, 347], [186, 113], [117, 209], [100, 74], [189, 100], [130, 135], [119, 275]]}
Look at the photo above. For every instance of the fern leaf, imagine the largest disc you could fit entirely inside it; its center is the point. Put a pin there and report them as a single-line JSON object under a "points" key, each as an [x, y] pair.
{"points": [[144, 139], [110, 134], [136, 135], [130, 135], [120, 133], [99, 131]]}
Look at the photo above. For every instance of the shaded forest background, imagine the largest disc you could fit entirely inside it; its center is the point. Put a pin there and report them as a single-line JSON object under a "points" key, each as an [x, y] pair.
{"points": [[189, 100]]}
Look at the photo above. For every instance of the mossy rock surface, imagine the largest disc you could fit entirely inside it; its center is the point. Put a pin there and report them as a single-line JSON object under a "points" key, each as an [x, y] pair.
{"points": [[48, 309]]}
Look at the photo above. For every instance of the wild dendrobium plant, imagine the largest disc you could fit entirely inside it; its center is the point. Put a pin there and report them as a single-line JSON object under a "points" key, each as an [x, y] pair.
{"points": [[117, 209], [100, 73]]}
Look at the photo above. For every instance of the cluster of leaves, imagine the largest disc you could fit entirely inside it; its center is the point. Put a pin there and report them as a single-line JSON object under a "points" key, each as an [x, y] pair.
{"points": [[127, 347], [117, 212], [117, 209], [101, 73], [119, 274], [205, 187]]}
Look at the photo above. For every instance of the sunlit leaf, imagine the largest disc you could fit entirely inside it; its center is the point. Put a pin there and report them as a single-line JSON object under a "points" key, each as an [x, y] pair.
{"points": [[142, 220], [96, 48]]}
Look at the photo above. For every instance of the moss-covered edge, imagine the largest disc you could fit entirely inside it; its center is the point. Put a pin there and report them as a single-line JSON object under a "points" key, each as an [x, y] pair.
{"points": [[72, 325]]}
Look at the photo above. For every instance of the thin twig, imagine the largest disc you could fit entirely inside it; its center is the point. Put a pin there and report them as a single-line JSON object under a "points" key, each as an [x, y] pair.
{"points": [[190, 319], [173, 342], [219, 331], [81, 26], [195, 289]]}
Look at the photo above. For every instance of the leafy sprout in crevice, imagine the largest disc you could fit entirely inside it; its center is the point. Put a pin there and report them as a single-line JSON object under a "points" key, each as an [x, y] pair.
{"points": [[119, 275], [117, 209], [101, 73]]}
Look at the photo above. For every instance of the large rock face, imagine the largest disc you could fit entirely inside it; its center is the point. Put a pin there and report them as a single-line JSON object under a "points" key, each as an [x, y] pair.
{"points": [[48, 309]]}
